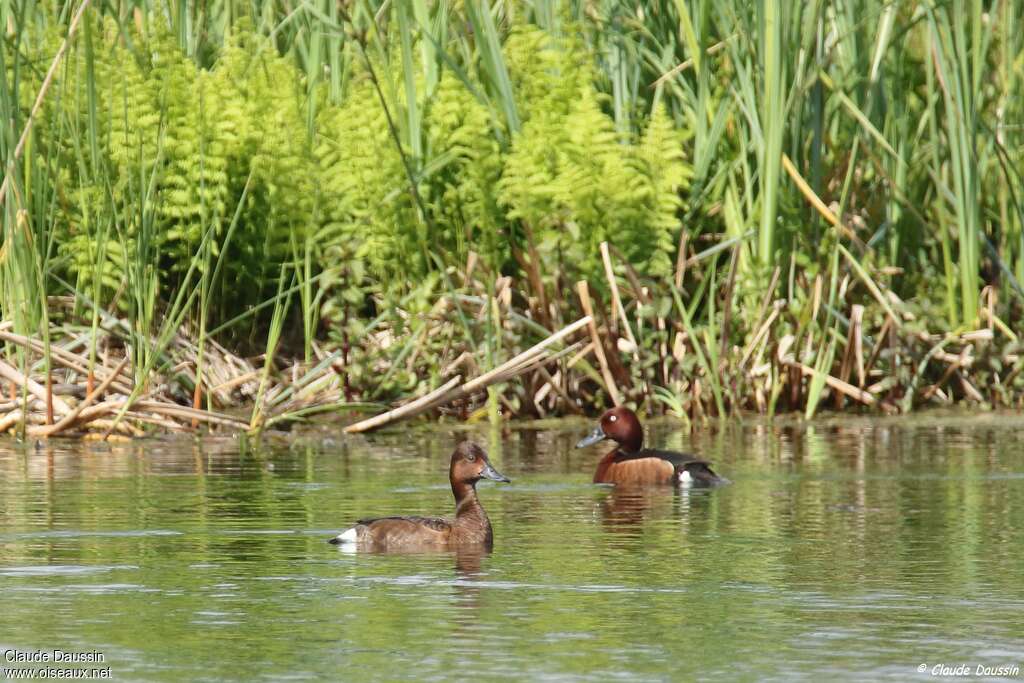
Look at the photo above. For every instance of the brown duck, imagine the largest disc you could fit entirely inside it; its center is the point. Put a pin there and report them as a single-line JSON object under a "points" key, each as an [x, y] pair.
{"points": [[470, 525], [631, 463]]}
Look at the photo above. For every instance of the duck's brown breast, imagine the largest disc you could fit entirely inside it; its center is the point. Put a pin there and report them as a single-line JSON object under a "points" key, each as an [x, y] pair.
{"points": [[636, 471], [471, 532]]}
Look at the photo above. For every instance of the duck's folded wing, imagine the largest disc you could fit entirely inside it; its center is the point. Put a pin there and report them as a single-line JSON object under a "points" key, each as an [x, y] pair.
{"points": [[697, 471], [677, 459], [397, 531], [435, 523]]}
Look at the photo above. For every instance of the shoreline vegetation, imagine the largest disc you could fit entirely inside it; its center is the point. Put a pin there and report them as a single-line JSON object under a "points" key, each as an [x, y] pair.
{"points": [[218, 217]]}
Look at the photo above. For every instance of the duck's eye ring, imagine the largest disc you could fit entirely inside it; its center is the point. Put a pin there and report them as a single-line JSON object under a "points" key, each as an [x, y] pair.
{"points": [[470, 458], [613, 418]]}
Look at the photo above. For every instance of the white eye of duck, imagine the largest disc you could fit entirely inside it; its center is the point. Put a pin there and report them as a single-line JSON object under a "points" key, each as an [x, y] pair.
{"points": [[613, 418]]}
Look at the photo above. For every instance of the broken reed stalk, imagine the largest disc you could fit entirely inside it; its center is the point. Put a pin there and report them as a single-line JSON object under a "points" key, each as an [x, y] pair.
{"points": [[617, 306], [230, 384], [856, 331], [531, 353], [969, 388], [870, 284], [163, 412], [584, 291], [558, 389], [838, 384], [816, 202], [409, 409], [10, 419], [63, 357], [524, 362], [94, 413], [951, 367], [91, 414], [70, 418], [766, 300], [187, 413], [761, 333], [10, 373], [537, 362], [681, 259], [686, 64]]}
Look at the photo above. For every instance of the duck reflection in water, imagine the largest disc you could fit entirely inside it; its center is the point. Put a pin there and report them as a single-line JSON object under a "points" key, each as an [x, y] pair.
{"points": [[468, 558], [463, 585], [626, 508]]}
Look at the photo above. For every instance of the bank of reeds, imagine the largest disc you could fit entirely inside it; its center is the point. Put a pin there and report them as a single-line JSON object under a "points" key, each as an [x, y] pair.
{"points": [[767, 207]]}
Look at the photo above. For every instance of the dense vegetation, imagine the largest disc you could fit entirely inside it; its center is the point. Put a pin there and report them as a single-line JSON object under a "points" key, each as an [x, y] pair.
{"points": [[799, 199]]}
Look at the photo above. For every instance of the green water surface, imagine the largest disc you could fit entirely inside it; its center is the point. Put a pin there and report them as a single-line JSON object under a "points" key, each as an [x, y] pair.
{"points": [[850, 549]]}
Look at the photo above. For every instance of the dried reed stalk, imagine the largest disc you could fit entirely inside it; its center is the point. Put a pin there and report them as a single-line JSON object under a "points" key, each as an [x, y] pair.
{"points": [[409, 409], [617, 307], [63, 357], [814, 200], [837, 384], [70, 418], [584, 291], [8, 372], [522, 363]]}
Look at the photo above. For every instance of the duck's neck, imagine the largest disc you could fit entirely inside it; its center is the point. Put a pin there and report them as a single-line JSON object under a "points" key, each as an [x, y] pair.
{"points": [[630, 447], [469, 514], [466, 502]]}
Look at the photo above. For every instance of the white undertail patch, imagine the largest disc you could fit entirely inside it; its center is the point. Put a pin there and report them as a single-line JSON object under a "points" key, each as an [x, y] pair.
{"points": [[685, 478], [347, 536]]}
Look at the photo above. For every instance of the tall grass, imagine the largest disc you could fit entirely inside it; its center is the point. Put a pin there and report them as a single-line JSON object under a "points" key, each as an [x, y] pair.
{"points": [[903, 122]]}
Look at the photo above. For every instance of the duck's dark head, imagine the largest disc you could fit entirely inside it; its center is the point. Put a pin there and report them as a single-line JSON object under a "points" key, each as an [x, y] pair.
{"points": [[470, 465], [622, 426]]}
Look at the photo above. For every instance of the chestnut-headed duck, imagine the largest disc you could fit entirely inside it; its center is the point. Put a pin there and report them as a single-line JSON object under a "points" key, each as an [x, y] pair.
{"points": [[631, 463], [469, 526]]}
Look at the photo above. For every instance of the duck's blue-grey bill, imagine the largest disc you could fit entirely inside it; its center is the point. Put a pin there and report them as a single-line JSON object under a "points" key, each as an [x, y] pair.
{"points": [[592, 438], [491, 473]]}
